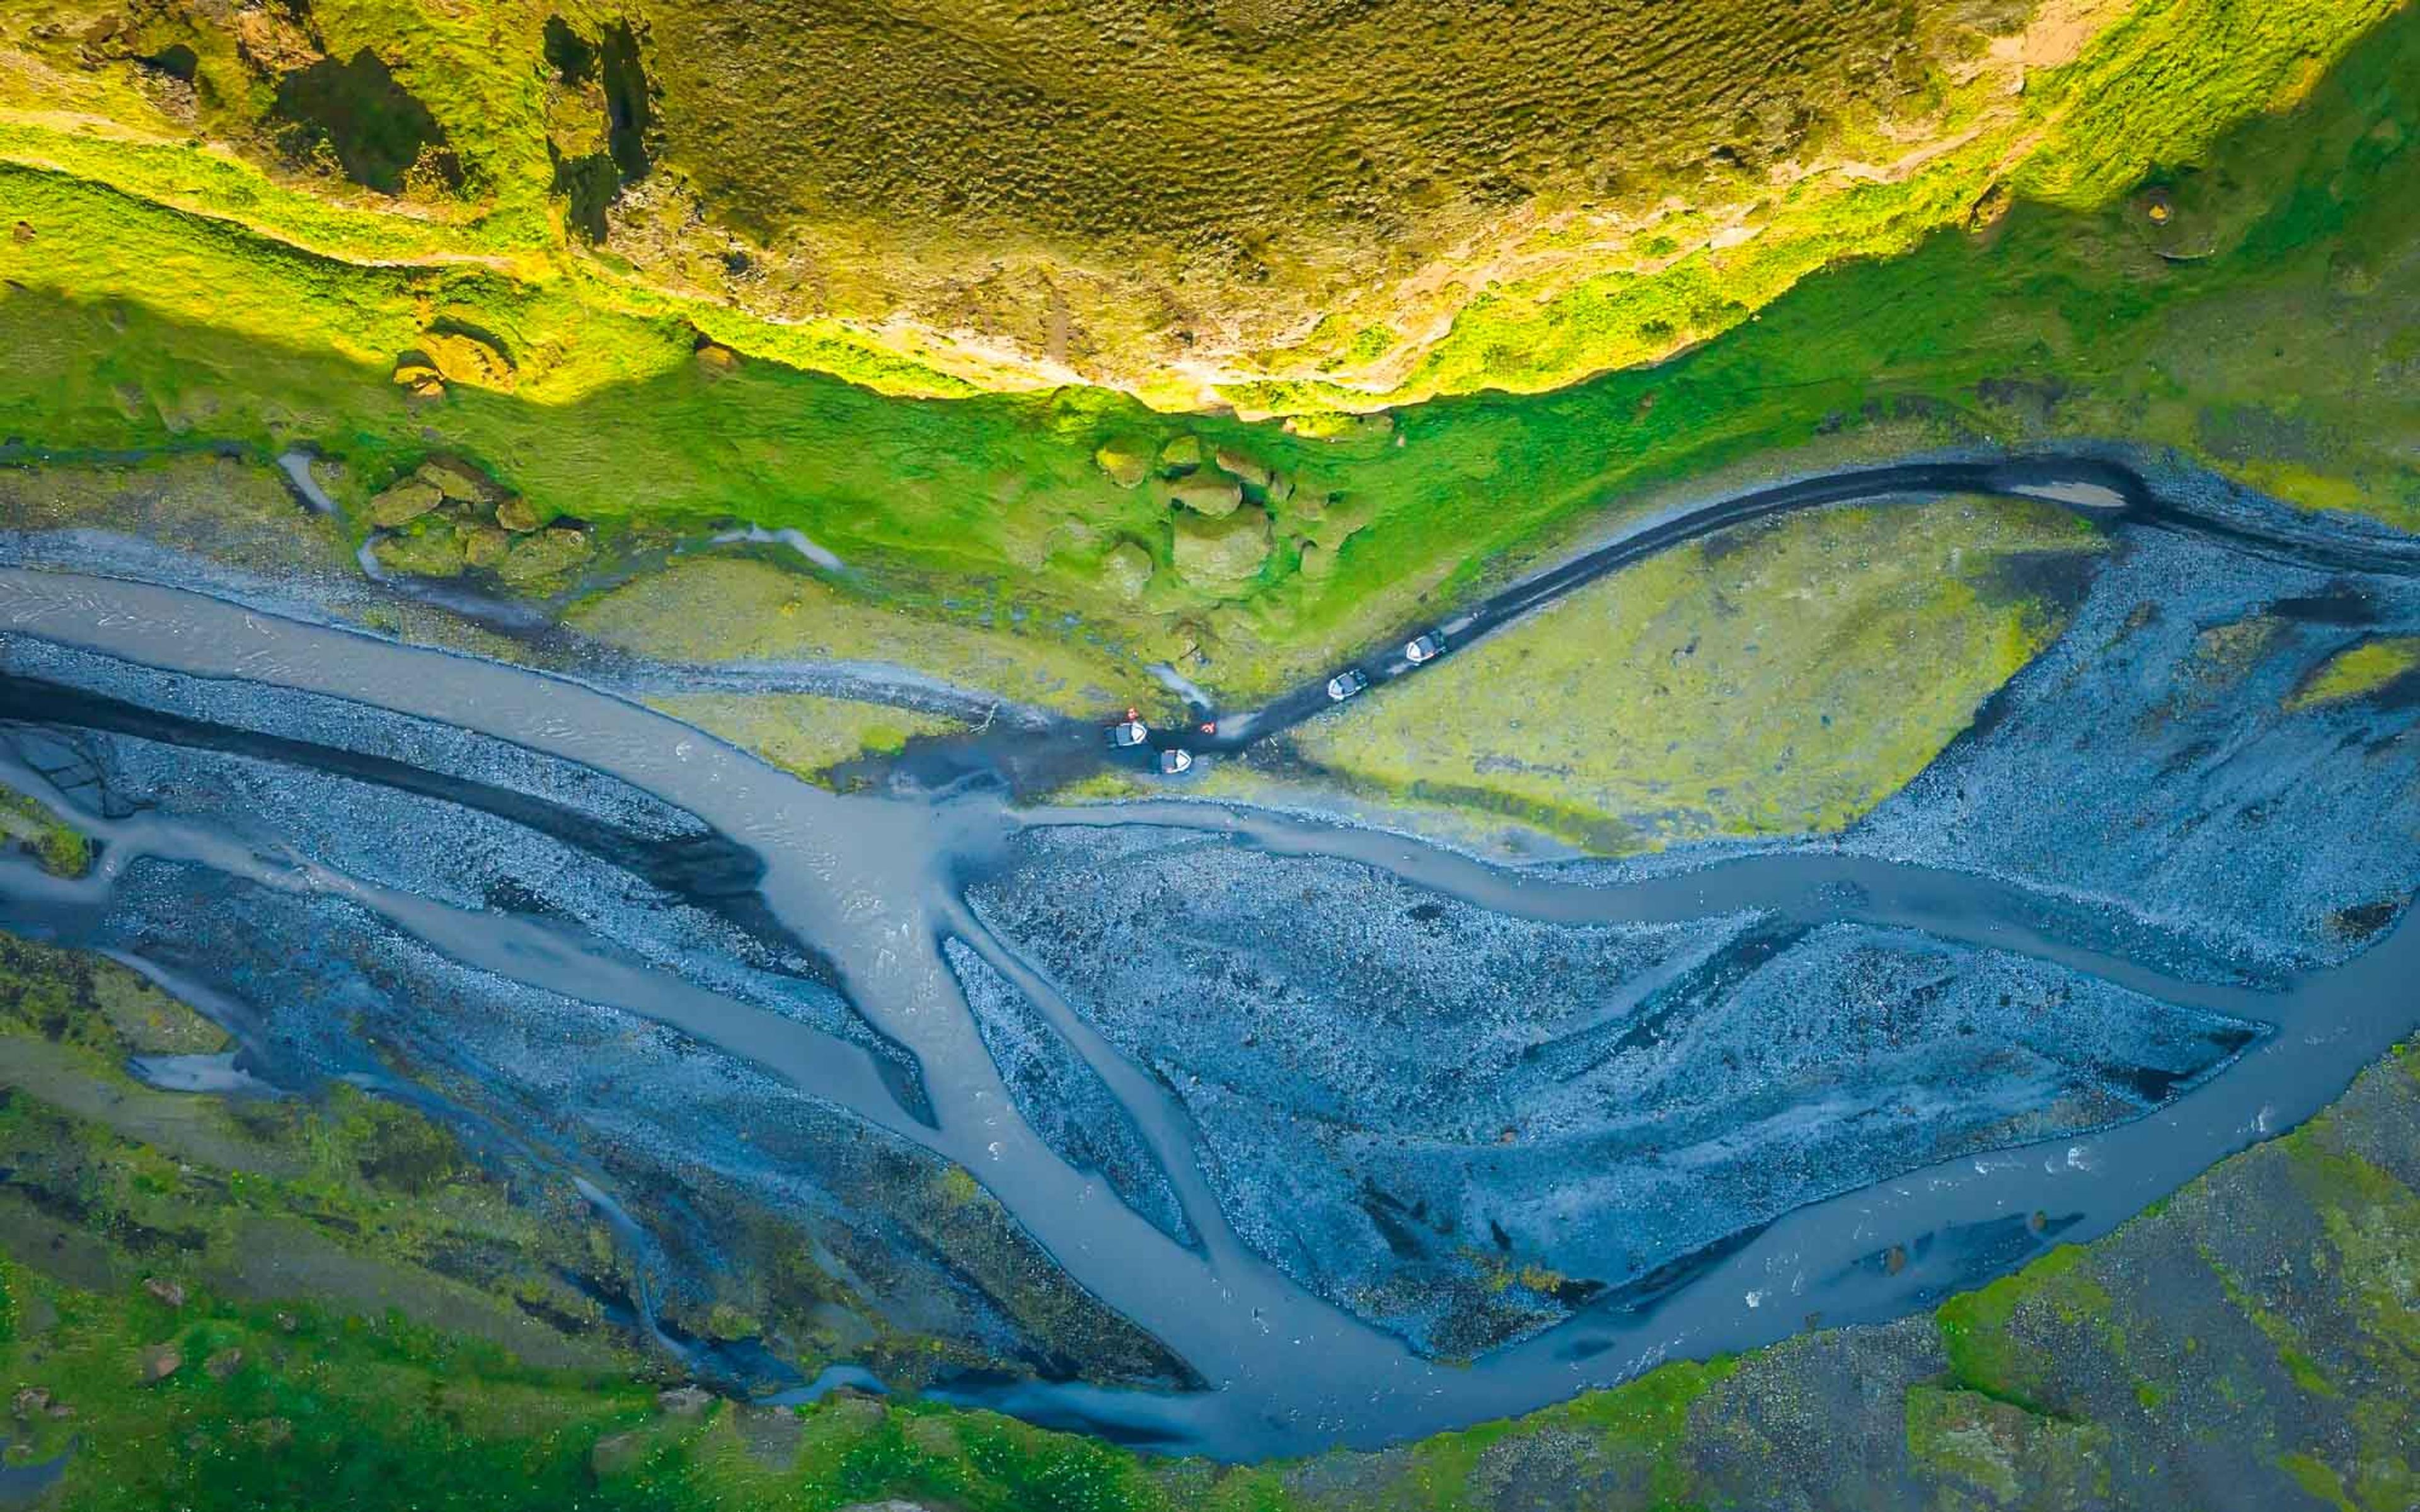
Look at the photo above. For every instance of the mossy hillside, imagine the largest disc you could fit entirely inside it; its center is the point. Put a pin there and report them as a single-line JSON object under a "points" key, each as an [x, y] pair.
{"points": [[1180, 206], [1776, 679], [2296, 276]]}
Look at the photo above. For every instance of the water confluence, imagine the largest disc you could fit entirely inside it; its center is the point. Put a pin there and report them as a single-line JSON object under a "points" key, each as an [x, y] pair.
{"points": [[870, 883]]}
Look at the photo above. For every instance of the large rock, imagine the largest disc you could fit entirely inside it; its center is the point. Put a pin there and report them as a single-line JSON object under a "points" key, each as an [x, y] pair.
{"points": [[1126, 570], [516, 515], [1207, 493], [1182, 453], [1125, 459], [457, 480], [1243, 467], [1223, 554], [404, 502]]}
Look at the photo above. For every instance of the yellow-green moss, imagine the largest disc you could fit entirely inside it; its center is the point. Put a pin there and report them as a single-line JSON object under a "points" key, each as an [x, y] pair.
{"points": [[1783, 679], [2356, 672], [802, 732]]}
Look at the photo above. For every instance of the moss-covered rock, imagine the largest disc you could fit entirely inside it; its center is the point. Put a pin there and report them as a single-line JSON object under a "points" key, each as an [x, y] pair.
{"points": [[1222, 554], [432, 549], [404, 502], [484, 545], [1125, 459], [458, 479], [1207, 493], [461, 358], [549, 553], [1126, 570], [516, 515], [1184, 452]]}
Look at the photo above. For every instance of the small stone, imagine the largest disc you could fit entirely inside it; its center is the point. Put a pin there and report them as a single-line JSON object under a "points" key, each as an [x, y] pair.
{"points": [[484, 545], [288, 1322], [158, 1361], [223, 1364], [24, 233], [1207, 493], [165, 1290], [1126, 570], [1125, 459], [716, 358], [404, 502], [515, 514], [1183, 453], [685, 1401]]}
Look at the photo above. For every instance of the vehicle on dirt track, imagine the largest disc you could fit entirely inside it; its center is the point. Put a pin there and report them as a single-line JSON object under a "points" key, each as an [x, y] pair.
{"points": [[1128, 733], [1174, 761], [1345, 683], [1424, 648]]}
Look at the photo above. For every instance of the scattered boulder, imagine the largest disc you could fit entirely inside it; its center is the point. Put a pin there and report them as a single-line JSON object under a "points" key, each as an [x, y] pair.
{"points": [[546, 554], [1207, 493], [1181, 455], [1243, 467], [1125, 459], [433, 551], [516, 515], [485, 545], [404, 502], [165, 1290], [462, 358], [459, 481], [690, 1400], [158, 1361], [1126, 570], [1222, 554]]}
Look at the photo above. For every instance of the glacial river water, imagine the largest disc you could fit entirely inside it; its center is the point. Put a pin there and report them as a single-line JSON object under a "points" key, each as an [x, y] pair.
{"points": [[868, 882]]}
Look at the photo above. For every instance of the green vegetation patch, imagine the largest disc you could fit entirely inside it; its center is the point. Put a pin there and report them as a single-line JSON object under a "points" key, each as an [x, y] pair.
{"points": [[1777, 679], [54, 842], [2358, 673], [802, 732]]}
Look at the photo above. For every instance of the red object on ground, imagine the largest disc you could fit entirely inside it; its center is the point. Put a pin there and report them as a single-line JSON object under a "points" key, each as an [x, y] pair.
{"points": [[1210, 727]]}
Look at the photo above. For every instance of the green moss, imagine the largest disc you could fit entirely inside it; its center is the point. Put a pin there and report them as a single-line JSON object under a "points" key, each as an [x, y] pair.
{"points": [[1781, 680], [55, 844], [2357, 672]]}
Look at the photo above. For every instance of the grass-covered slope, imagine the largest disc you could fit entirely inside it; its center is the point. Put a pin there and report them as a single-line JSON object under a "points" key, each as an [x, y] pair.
{"points": [[1290, 206], [305, 1307], [2258, 311]]}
